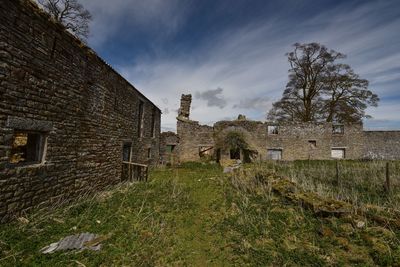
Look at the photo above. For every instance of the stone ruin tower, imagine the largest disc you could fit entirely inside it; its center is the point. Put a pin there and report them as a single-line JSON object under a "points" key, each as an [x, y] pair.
{"points": [[184, 110]]}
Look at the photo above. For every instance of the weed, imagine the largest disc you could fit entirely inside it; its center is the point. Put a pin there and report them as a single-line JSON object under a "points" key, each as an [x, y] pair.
{"points": [[193, 215]]}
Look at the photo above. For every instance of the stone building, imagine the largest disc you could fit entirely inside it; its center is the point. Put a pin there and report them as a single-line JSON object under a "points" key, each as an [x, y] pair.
{"points": [[290, 141], [168, 148], [69, 123]]}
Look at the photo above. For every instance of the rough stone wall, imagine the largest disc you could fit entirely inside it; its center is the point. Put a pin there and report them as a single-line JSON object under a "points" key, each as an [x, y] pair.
{"points": [[193, 136], [52, 84], [295, 141], [382, 145], [184, 110], [253, 131], [352, 140], [168, 139]]}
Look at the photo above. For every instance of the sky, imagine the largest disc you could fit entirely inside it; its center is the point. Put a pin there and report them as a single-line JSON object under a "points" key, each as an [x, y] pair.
{"points": [[230, 54]]}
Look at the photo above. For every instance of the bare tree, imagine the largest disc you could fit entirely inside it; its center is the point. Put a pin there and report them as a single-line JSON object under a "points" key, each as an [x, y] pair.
{"points": [[319, 89], [347, 95], [71, 14]]}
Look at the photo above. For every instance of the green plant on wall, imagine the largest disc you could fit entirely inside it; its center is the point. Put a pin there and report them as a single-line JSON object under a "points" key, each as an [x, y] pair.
{"points": [[235, 142]]}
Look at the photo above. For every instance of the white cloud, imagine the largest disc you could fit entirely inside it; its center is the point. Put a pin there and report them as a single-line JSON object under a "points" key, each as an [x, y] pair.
{"points": [[160, 17], [214, 98], [384, 117], [259, 103], [248, 62]]}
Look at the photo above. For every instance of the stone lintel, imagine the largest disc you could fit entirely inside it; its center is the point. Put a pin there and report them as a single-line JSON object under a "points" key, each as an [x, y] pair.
{"points": [[29, 124]]}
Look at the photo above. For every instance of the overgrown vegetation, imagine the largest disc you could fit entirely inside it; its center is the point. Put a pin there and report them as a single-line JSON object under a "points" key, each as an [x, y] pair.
{"points": [[270, 229], [358, 182], [167, 221], [235, 142], [194, 215]]}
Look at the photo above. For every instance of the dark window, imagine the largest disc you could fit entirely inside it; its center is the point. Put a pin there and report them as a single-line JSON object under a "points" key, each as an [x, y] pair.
{"points": [[235, 153], [273, 129], [312, 143], [149, 153], [126, 152], [338, 129], [140, 118], [153, 123], [27, 148], [170, 148], [275, 154]]}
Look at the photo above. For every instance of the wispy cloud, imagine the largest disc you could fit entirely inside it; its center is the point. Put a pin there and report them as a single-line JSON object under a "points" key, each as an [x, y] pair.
{"points": [[214, 98], [260, 104], [157, 18], [247, 60]]}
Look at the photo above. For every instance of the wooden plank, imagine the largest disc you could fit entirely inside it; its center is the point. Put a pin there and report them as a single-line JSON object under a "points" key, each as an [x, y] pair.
{"points": [[136, 164]]}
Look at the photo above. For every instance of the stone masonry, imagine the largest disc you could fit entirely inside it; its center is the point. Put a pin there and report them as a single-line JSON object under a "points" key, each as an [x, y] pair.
{"points": [[290, 141], [67, 118], [168, 148], [192, 136], [382, 144]]}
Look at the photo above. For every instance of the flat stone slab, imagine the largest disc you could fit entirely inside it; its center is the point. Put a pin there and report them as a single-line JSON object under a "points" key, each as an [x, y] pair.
{"points": [[29, 124], [75, 242]]}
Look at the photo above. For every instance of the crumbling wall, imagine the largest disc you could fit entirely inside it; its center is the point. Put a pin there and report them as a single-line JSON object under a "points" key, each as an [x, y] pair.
{"points": [[381, 145], [169, 142], [53, 85], [315, 140], [253, 132], [289, 141], [295, 141], [352, 140], [184, 110], [192, 138]]}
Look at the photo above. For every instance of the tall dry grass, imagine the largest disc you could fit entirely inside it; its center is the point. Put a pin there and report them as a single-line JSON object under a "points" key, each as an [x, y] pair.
{"points": [[358, 182]]}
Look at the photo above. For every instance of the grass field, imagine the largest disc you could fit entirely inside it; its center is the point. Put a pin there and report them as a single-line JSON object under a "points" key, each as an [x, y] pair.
{"points": [[359, 182], [194, 215]]}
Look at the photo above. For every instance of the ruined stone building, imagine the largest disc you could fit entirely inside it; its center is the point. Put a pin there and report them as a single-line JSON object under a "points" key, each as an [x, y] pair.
{"points": [[290, 141], [169, 142], [69, 123]]}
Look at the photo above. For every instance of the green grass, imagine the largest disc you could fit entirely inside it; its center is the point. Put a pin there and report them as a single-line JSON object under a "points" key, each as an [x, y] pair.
{"points": [[194, 215], [267, 229], [360, 182]]}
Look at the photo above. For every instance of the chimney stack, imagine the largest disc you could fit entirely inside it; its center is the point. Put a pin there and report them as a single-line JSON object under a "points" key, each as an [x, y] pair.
{"points": [[184, 110]]}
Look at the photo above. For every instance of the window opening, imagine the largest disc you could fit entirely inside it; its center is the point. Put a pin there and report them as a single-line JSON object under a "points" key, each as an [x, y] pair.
{"points": [[312, 143], [205, 151], [338, 129], [27, 148], [273, 129], [126, 152], [170, 148], [338, 153], [274, 154], [235, 153]]}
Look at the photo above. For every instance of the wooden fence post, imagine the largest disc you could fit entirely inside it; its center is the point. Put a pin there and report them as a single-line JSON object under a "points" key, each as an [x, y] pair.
{"points": [[387, 184]]}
